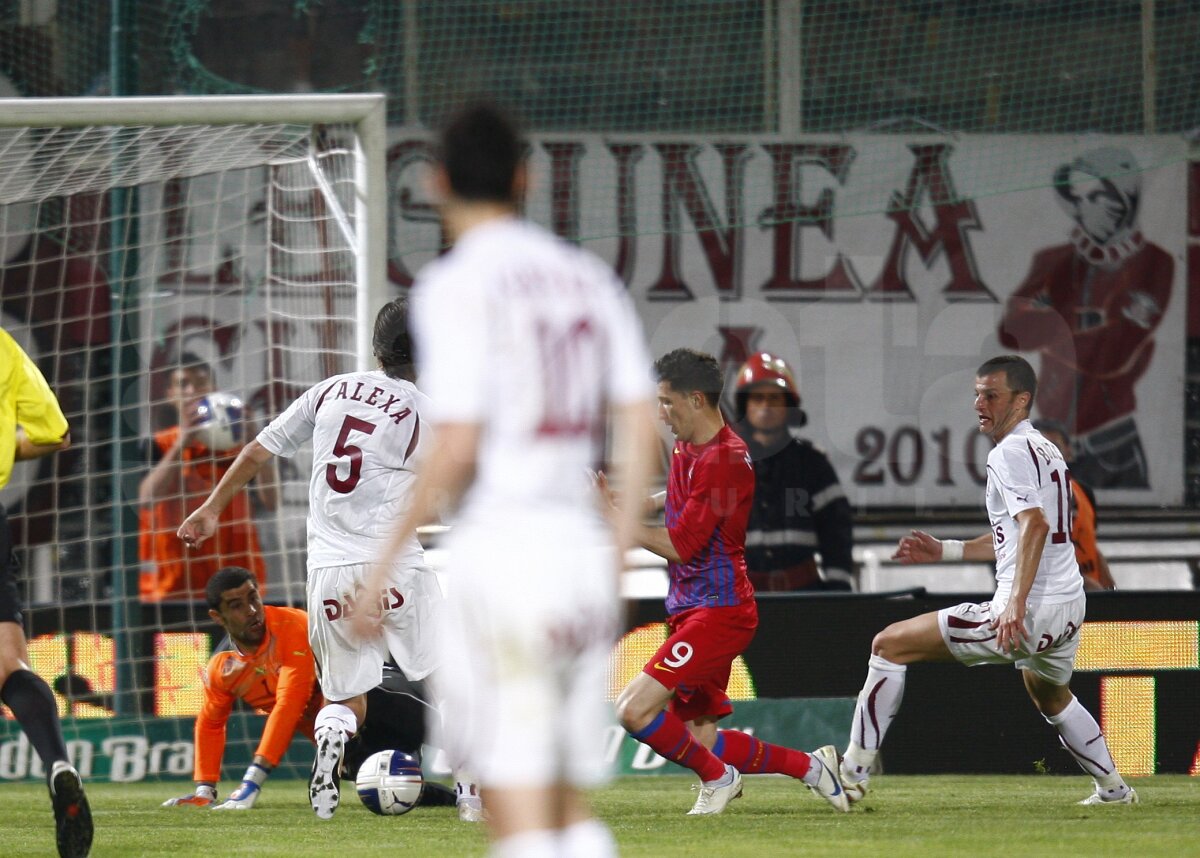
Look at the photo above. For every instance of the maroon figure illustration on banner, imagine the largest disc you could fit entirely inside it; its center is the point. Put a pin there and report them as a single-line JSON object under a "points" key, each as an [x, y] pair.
{"points": [[1090, 307]]}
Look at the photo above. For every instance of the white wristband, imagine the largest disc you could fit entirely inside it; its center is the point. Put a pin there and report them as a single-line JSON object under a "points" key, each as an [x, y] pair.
{"points": [[952, 549]]}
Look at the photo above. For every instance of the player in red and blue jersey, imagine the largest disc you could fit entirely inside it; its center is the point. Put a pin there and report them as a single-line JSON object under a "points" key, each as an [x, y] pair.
{"points": [[709, 492], [674, 704]]}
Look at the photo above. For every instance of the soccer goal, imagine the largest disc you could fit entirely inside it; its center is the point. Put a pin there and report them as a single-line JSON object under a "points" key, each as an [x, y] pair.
{"points": [[243, 235]]}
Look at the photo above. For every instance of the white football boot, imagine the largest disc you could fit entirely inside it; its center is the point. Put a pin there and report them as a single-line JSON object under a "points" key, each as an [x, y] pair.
{"points": [[829, 784], [1130, 797], [856, 791], [715, 795], [324, 786]]}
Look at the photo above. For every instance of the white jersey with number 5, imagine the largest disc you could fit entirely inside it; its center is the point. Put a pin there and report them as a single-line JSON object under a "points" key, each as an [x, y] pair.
{"points": [[368, 433], [1025, 471], [534, 338]]}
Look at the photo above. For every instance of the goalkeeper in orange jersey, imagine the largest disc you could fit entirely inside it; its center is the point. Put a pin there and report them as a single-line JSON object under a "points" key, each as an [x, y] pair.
{"points": [[269, 666]]}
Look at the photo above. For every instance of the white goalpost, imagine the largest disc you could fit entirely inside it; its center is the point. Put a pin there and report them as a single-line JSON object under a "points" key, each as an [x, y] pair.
{"points": [[247, 233]]}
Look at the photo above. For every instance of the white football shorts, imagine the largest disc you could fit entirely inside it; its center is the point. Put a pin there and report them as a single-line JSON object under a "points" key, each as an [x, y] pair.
{"points": [[1053, 637], [531, 618], [348, 665]]}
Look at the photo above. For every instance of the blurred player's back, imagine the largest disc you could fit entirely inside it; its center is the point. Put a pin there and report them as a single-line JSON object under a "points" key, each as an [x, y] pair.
{"points": [[535, 336]]}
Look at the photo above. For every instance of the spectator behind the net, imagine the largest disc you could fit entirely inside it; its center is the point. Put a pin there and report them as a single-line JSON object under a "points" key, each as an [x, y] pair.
{"points": [[182, 473], [1092, 564], [799, 506]]}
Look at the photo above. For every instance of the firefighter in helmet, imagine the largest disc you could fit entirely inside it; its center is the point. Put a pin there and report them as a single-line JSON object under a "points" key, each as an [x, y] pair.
{"points": [[800, 510]]}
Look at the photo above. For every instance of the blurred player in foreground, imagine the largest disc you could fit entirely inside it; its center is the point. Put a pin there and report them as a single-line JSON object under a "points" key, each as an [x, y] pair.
{"points": [[368, 431], [32, 425], [269, 667], [1093, 565], [528, 346], [675, 703], [1033, 619]]}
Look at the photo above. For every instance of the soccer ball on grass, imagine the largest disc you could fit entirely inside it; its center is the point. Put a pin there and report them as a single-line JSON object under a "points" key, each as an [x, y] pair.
{"points": [[389, 783]]}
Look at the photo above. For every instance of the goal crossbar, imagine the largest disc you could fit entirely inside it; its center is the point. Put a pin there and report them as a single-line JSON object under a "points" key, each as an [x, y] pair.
{"points": [[367, 112]]}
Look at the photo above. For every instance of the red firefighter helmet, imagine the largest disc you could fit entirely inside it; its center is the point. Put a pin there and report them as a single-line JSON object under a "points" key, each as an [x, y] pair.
{"points": [[764, 369]]}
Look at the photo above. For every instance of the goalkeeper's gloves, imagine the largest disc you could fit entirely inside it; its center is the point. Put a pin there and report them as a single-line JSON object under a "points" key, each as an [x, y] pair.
{"points": [[204, 796], [247, 793]]}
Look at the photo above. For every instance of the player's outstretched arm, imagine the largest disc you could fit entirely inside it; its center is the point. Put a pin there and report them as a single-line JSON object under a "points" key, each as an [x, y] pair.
{"points": [[1009, 626], [27, 449], [202, 523], [657, 540], [266, 486], [921, 547], [918, 547]]}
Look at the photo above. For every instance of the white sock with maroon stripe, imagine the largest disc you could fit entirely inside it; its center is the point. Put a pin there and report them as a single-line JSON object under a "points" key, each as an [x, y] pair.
{"points": [[877, 705], [338, 716], [1084, 740]]}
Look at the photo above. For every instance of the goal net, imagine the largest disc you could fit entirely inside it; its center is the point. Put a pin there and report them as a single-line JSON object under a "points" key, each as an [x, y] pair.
{"points": [[156, 250]]}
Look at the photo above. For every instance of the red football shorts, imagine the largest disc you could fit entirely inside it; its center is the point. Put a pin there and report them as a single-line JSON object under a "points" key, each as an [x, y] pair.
{"points": [[698, 654]]}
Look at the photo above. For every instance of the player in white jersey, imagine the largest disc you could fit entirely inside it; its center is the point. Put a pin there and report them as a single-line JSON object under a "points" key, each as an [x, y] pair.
{"points": [[1032, 621], [527, 346], [367, 434]]}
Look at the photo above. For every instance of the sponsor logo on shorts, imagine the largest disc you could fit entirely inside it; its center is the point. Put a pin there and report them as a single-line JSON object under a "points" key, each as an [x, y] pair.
{"points": [[344, 608]]}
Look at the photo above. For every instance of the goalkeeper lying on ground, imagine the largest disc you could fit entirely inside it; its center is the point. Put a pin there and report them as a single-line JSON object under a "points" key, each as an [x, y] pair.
{"points": [[269, 666]]}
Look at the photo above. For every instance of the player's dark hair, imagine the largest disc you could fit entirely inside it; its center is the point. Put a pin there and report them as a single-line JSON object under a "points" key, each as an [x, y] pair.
{"points": [[687, 371], [1017, 371], [1044, 425], [192, 362], [391, 342], [227, 578], [481, 148]]}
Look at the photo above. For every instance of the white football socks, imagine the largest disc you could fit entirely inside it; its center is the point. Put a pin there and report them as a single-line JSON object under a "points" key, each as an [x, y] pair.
{"points": [[1084, 740], [813, 776], [588, 839], [877, 705], [539, 843], [338, 716]]}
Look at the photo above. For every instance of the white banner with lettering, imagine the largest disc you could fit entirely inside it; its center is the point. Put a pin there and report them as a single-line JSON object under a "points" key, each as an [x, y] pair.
{"points": [[886, 292]]}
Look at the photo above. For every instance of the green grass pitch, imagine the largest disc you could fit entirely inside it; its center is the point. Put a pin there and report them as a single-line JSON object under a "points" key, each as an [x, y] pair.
{"points": [[926, 816]]}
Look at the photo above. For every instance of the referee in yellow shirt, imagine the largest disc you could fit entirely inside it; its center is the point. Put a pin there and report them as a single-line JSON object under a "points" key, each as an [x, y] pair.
{"points": [[32, 425]]}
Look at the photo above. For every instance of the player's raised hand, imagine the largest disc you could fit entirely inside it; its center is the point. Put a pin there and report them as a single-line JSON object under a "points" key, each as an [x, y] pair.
{"points": [[608, 496], [197, 527], [204, 796], [918, 547]]}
